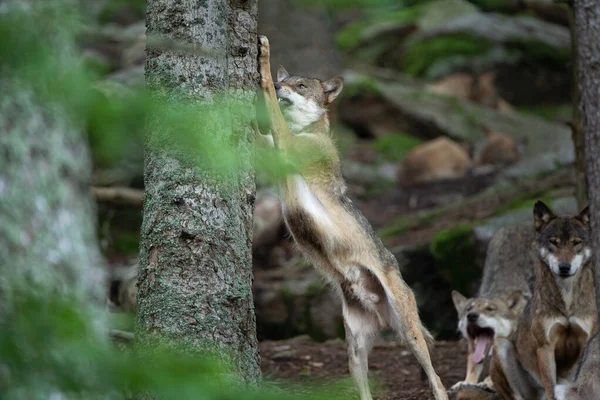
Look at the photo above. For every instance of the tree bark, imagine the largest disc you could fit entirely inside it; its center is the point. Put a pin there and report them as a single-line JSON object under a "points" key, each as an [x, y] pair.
{"points": [[577, 123], [587, 27], [196, 269]]}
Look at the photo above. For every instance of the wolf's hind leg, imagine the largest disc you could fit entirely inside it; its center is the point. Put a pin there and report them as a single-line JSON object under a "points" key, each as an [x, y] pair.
{"points": [[361, 328], [404, 319]]}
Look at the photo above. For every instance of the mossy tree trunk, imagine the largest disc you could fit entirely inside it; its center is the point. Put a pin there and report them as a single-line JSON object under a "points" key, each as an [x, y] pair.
{"points": [[196, 268], [47, 217], [587, 27]]}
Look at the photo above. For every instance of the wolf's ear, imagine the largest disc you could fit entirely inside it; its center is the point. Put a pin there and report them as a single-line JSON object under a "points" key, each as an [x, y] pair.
{"points": [[584, 216], [515, 299], [332, 87], [541, 215], [282, 74], [459, 300]]}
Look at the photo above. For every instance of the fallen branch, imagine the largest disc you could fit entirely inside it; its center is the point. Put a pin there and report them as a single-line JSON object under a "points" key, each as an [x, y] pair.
{"points": [[121, 335], [119, 195]]}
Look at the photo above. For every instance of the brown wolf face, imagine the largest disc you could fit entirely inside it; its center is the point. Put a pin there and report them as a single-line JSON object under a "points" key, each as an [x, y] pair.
{"points": [[482, 320], [564, 243], [303, 100]]}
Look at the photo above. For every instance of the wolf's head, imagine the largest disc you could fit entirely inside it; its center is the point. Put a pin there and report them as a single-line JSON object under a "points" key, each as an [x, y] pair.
{"points": [[304, 100], [482, 320], [564, 243]]}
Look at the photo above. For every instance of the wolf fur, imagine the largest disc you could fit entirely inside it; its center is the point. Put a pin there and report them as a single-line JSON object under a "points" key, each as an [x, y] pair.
{"points": [[504, 291], [331, 232], [561, 317], [586, 385]]}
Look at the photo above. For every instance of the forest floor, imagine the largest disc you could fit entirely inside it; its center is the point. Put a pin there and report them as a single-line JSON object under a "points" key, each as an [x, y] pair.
{"points": [[394, 372]]}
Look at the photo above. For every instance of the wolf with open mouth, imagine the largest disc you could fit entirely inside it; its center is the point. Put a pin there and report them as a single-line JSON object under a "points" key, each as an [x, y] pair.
{"points": [[504, 292]]}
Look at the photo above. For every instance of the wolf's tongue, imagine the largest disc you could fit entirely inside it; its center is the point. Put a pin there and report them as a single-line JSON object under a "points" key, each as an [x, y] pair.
{"points": [[481, 346]]}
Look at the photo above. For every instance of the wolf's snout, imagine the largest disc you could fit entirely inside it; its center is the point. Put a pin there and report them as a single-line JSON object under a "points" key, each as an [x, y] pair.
{"points": [[472, 316], [277, 85], [564, 268]]}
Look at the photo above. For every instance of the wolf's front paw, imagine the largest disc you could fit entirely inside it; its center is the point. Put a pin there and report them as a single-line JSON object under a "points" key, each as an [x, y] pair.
{"points": [[263, 47]]}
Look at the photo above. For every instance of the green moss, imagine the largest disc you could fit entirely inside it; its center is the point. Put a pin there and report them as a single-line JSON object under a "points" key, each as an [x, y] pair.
{"points": [[364, 86], [422, 55], [454, 252], [492, 5], [395, 146], [527, 200], [403, 224], [351, 36], [127, 243], [544, 54], [561, 112]]}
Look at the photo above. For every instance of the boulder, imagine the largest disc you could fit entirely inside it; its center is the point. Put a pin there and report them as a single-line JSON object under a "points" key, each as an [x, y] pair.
{"points": [[408, 108]]}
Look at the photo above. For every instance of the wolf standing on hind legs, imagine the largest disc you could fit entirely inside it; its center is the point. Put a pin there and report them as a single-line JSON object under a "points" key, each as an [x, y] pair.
{"points": [[330, 230]]}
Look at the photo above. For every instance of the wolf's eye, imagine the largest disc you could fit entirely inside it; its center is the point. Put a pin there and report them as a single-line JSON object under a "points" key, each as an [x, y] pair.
{"points": [[301, 86], [577, 243], [554, 241], [490, 308]]}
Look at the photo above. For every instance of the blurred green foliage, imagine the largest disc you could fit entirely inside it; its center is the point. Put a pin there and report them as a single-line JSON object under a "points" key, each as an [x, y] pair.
{"points": [[50, 346], [55, 344], [395, 146], [421, 55], [352, 35]]}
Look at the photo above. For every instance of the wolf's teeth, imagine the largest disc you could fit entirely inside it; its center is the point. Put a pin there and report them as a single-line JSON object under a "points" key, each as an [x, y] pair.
{"points": [[279, 100]]}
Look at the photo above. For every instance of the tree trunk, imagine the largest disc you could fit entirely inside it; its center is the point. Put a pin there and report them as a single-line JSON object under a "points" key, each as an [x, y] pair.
{"points": [[196, 269], [577, 123], [587, 27], [47, 229], [301, 38]]}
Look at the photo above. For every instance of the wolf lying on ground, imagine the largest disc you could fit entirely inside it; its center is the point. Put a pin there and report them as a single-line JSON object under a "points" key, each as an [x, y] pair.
{"points": [[504, 291], [331, 232], [559, 320]]}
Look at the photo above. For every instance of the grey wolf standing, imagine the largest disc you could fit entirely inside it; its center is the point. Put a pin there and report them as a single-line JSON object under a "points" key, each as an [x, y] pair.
{"points": [[330, 230]]}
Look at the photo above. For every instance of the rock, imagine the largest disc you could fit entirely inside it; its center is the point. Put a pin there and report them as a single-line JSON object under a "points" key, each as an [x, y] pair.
{"points": [[498, 149], [268, 219], [438, 13], [480, 89], [435, 160], [485, 230], [428, 116], [501, 30]]}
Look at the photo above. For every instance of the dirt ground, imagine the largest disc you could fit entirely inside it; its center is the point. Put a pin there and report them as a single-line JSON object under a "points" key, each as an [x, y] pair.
{"points": [[394, 372]]}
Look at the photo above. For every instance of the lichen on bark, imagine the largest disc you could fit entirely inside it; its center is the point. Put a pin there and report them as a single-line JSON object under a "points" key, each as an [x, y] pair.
{"points": [[196, 269]]}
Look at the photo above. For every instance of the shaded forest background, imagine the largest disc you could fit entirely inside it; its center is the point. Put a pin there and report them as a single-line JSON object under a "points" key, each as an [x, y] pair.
{"points": [[415, 72]]}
